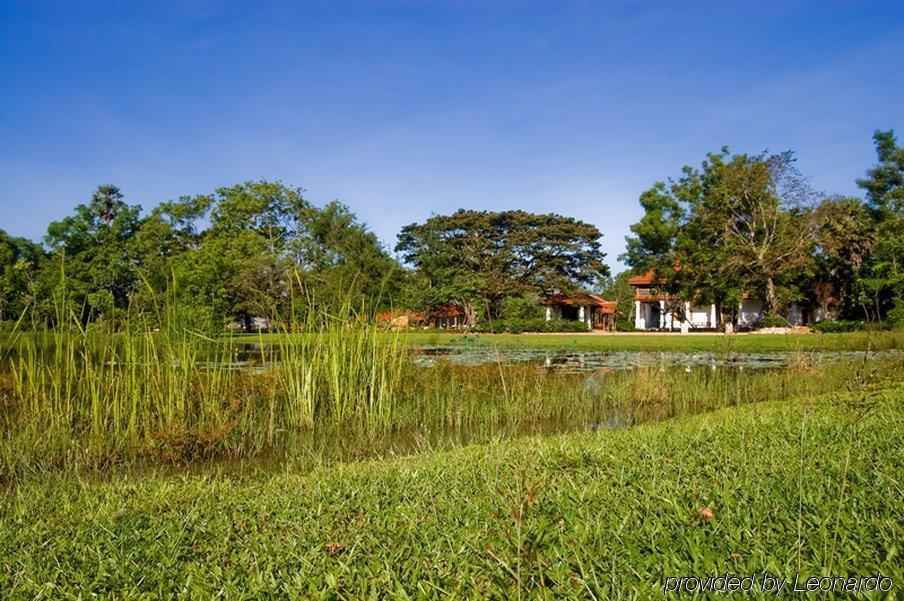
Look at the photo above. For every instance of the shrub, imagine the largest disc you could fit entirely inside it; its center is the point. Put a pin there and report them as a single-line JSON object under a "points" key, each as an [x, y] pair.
{"points": [[539, 324], [521, 307], [843, 325], [623, 325], [774, 321]]}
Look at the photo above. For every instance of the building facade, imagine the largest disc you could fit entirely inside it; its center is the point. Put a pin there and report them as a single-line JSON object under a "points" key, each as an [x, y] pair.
{"points": [[594, 311], [654, 310]]}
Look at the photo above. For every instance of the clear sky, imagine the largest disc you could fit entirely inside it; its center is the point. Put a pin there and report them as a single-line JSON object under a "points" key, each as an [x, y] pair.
{"points": [[403, 109]]}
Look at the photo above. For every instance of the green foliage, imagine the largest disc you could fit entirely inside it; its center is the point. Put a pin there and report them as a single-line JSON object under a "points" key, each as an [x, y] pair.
{"points": [[624, 325], [521, 307], [881, 288], [844, 243], [738, 224], [619, 289], [516, 325], [92, 259], [20, 262], [751, 224], [253, 250], [774, 321], [656, 234], [480, 258]]}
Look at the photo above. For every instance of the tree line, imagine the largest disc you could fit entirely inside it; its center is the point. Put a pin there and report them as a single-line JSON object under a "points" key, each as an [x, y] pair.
{"points": [[752, 224], [261, 250], [257, 249], [737, 224]]}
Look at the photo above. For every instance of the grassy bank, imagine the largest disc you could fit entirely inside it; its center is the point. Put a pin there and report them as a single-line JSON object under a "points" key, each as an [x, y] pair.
{"points": [[811, 485], [741, 343]]}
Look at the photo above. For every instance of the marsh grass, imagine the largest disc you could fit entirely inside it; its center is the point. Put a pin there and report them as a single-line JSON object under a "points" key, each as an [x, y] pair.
{"points": [[75, 397], [332, 386]]}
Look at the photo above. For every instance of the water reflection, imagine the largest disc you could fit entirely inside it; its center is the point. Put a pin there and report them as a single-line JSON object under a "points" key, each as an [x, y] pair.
{"points": [[254, 356], [571, 361]]}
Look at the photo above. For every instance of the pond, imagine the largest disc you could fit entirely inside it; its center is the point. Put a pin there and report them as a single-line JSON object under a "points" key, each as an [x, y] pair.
{"points": [[577, 361], [252, 355]]}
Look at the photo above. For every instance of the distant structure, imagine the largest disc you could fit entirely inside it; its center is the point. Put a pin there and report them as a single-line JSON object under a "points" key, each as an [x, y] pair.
{"points": [[656, 310], [595, 311]]}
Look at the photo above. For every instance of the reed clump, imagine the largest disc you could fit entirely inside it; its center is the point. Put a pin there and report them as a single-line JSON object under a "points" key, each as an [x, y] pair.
{"points": [[75, 397]]}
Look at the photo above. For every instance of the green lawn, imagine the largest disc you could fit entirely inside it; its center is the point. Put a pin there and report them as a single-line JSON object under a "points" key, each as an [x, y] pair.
{"points": [[677, 342], [812, 485], [661, 342]]}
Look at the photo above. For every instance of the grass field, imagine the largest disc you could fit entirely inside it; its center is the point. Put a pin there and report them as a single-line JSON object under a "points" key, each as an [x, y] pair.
{"points": [[811, 485], [747, 343], [676, 342]]}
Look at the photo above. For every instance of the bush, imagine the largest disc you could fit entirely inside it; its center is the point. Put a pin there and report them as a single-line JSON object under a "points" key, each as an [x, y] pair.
{"points": [[539, 324], [774, 321], [843, 325], [623, 325], [521, 307]]}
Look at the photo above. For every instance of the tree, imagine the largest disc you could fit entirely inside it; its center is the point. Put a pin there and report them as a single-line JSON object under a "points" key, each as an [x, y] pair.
{"points": [[268, 249], [171, 230], [883, 285], [480, 258], [738, 224], [242, 267], [93, 263], [20, 260], [619, 289], [844, 241], [347, 261]]}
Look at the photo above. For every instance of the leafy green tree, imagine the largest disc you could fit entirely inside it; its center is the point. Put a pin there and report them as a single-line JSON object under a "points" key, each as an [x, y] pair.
{"points": [[171, 230], [20, 260], [652, 245], [882, 288], [479, 258], [242, 267], [619, 289], [269, 252], [93, 264], [844, 240], [345, 260], [739, 223]]}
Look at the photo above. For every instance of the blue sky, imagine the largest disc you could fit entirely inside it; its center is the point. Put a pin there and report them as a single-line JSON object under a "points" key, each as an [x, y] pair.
{"points": [[403, 109]]}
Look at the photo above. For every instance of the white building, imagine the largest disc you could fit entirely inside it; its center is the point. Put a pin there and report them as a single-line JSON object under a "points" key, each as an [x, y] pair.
{"points": [[656, 311]]}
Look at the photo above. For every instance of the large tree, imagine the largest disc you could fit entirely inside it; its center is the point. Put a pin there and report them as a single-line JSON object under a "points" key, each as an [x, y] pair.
{"points": [[20, 260], [739, 223], [480, 258], [844, 242], [93, 266], [883, 287], [268, 249]]}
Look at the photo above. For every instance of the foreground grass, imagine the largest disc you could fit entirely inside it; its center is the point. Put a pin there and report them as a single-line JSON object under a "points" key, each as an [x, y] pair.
{"points": [[811, 485]]}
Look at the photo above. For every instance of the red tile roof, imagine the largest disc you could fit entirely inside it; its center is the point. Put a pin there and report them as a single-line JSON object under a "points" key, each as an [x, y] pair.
{"points": [[581, 298], [642, 280]]}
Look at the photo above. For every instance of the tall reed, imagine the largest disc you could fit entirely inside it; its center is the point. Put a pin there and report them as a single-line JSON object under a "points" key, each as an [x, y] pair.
{"points": [[158, 388]]}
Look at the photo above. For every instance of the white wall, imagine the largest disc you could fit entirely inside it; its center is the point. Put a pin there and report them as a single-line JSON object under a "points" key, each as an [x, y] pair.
{"points": [[699, 316]]}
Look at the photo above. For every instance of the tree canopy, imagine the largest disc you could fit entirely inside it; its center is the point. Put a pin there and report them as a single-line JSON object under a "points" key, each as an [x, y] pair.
{"points": [[882, 285], [751, 224], [480, 258], [256, 249]]}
